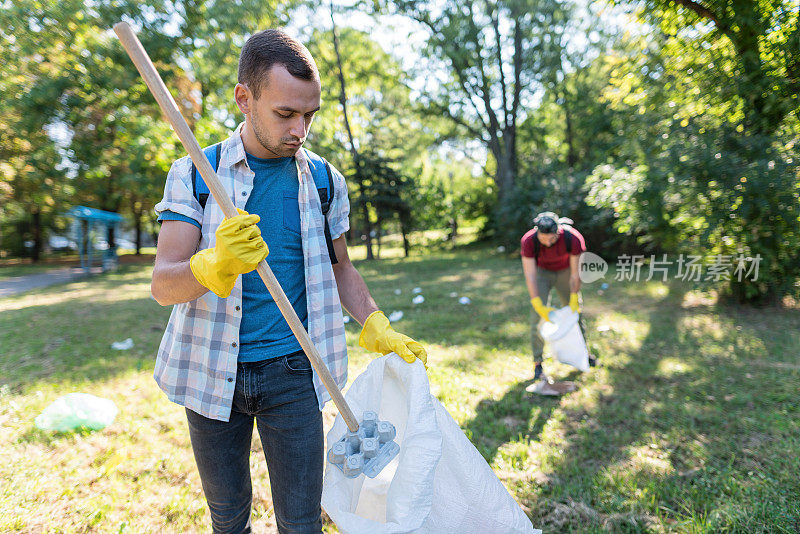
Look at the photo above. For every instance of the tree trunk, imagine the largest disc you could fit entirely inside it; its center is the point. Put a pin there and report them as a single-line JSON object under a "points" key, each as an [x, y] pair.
{"points": [[404, 233], [378, 236], [36, 226], [137, 221], [572, 156], [111, 237], [353, 151], [505, 176]]}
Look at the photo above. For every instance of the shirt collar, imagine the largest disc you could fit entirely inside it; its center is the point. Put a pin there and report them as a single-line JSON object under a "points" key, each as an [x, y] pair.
{"points": [[233, 149]]}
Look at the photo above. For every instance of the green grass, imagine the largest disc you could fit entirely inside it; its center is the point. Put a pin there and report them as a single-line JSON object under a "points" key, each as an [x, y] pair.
{"points": [[692, 424]]}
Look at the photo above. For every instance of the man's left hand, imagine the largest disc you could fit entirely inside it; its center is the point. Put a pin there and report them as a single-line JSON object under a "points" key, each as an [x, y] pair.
{"points": [[378, 336]]}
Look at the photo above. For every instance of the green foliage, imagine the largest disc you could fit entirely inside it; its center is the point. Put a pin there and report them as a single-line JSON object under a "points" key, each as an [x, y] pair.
{"points": [[63, 71], [710, 194], [745, 55]]}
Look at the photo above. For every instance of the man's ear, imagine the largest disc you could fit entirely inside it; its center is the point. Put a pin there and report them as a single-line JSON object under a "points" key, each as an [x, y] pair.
{"points": [[243, 98]]}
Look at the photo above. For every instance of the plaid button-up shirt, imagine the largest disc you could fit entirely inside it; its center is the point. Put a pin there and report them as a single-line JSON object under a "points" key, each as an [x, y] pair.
{"points": [[196, 362]]}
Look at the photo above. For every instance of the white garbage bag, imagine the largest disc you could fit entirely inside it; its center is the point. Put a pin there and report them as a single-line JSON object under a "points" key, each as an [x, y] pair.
{"points": [[565, 338], [438, 483]]}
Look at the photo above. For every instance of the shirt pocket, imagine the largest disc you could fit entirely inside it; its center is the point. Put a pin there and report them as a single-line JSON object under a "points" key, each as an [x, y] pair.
{"points": [[291, 213]]}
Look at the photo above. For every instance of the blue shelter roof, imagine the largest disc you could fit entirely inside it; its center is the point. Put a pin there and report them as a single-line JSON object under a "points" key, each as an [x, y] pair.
{"points": [[91, 214]]}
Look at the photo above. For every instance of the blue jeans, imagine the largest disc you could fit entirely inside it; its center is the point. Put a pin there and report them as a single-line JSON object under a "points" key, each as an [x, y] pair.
{"points": [[279, 395]]}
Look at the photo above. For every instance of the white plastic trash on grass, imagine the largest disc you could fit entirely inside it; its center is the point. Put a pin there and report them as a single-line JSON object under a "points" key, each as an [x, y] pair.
{"points": [[438, 483], [565, 338], [395, 316], [419, 299], [75, 411], [122, 345]]}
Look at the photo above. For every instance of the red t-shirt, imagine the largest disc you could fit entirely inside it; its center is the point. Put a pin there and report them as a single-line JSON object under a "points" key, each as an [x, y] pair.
{"points": [[556, 257]]}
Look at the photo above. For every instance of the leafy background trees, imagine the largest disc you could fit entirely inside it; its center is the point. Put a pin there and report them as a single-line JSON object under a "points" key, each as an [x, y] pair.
{"points": [[659, 127]]}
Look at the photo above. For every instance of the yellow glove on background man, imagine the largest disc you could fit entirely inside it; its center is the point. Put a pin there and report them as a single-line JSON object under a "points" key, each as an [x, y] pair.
{"points": [[541, 309], [378, 336], [573, 303], [239, 249]]}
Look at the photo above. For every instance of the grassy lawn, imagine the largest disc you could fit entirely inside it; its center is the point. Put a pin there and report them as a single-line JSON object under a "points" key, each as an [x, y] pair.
{"points": [[691, 424]]}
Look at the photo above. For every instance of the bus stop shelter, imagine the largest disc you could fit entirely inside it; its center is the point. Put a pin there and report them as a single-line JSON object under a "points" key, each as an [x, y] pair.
{"points": [[87, 223]]}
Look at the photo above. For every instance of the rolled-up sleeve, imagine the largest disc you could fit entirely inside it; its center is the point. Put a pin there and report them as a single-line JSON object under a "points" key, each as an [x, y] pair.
{"points": [[339, 213], [178, 192]]}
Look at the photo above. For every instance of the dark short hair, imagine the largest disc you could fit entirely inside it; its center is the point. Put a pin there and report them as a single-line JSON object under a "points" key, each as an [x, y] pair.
{"points": [[268, 47], [547, 222]]}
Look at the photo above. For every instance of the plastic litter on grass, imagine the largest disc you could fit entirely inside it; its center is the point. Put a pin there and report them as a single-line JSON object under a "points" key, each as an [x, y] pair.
{"points": [[75, 411], [122, 345]]}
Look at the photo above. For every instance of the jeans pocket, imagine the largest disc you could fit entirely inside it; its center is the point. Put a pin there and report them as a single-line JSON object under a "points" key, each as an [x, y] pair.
{"points": [[297, 363], [291, 213]]}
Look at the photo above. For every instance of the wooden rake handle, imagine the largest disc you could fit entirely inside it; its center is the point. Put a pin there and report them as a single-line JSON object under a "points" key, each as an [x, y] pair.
{"points": [[168, 106]]}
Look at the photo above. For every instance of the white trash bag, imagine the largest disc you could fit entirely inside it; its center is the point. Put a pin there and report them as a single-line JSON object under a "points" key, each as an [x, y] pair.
{"points": [[437, 484], [565, 338]]}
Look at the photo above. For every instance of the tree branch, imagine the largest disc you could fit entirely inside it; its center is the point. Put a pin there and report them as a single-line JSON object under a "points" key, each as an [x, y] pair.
{"points": [[494, 131], [496, 25], [517, 70], [705, 13]]}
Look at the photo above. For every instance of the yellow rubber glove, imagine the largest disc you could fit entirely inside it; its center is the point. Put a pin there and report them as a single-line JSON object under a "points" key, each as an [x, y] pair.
{"points": [[541, 309], [239, 249], [378, 336], [573, 303]]}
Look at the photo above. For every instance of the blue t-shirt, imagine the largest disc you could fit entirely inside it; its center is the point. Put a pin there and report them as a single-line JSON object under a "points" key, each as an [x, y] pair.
{"points": [[264, 333]]}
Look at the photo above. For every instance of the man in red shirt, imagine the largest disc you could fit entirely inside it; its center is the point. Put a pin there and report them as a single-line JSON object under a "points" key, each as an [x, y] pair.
{"points": [[551, 259]]}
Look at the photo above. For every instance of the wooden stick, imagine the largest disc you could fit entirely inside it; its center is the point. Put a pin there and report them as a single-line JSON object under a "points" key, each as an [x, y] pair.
{"points": [[151, 77]]}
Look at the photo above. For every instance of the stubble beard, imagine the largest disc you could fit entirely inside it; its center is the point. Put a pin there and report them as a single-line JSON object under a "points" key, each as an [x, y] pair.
{"points": [[266, 141]]}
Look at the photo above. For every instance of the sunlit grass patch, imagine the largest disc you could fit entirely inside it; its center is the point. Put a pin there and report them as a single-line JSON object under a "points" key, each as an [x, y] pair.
{"points": [[690, 424]]}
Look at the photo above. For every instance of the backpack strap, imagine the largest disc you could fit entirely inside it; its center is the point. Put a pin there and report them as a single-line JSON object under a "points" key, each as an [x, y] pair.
{"points": [[536, 246], [326, 207], [199, 188], [326, 194], [567, 238]]}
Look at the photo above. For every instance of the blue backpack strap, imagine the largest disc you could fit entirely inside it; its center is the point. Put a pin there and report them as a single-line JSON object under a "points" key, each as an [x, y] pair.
{"points": [[199, 188], [323, 179]]}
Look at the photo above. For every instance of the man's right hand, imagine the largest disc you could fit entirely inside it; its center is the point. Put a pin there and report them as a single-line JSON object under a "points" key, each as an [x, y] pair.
{"points": [[541, 309], [239, 248]]}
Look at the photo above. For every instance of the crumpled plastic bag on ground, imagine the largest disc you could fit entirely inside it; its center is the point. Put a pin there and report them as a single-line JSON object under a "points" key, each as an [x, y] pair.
{"points": [[438, 483], [123, 345], [75, 411]]}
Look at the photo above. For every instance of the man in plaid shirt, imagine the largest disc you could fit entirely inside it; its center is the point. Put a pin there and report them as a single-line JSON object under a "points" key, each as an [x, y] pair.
{"points": [[227, 354]]}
